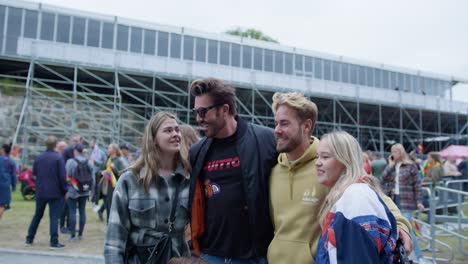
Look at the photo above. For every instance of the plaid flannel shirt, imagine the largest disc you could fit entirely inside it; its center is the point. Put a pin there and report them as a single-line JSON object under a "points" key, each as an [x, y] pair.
{"points": [[410, 187], [133, 209]]}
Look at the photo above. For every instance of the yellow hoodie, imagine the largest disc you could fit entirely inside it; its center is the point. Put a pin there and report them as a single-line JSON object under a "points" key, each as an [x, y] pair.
{"points": [[295, 200]]}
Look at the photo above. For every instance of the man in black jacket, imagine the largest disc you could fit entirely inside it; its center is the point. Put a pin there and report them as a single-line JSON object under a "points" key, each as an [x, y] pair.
{"points": [[229, 182], [51, 188]]}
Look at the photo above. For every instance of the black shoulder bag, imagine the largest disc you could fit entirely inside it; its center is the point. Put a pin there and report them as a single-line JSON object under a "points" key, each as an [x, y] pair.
{"points": [[399, 254], [152, 246]]}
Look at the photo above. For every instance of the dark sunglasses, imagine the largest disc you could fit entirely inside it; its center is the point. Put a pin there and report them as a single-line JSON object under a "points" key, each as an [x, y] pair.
{"points": [[201, 112]]}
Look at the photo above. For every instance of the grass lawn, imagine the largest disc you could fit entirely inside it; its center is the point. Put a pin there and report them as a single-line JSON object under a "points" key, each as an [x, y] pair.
{"points": [[14, 227]]}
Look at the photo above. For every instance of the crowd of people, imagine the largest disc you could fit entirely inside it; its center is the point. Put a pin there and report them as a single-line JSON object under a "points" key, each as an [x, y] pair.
{"points": [[243, 193]]}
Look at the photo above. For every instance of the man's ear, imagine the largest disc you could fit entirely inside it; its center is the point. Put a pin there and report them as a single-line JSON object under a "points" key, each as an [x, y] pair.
{"points": [[308, 126], [225, 108]]}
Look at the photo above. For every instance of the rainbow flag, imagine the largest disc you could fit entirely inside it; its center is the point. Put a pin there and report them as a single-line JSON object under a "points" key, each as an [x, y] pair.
{"points": [[420, 148], [110, 177], [416, 229], [73, 182]]}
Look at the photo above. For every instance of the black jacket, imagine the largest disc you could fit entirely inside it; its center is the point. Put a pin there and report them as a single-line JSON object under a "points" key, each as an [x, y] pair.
{"points": [[257, 152]]}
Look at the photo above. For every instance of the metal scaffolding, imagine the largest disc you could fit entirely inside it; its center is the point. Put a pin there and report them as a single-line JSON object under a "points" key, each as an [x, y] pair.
{"points": [[113, 105]]}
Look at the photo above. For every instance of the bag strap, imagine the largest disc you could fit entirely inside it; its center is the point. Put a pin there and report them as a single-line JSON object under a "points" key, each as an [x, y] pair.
{"points": [[174, 207], [141, 235], [79, 162]]}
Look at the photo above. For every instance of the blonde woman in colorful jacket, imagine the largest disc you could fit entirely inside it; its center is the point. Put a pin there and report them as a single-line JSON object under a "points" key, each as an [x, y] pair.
{"points": [[357, 226]]}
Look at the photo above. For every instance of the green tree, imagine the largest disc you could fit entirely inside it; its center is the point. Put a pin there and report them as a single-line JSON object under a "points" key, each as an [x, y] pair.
{"points": [[250, 33]]}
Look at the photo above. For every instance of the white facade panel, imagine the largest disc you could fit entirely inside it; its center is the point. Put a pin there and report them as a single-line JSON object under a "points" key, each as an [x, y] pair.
{"points": [[69, 53]]}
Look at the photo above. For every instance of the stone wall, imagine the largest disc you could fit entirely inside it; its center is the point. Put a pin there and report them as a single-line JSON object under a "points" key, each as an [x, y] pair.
{"points": [[52, 117], [10, 109]]}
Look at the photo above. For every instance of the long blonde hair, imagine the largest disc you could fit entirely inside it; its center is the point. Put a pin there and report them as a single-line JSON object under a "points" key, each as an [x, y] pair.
{"points": [[404, 156], [116, 148], [189, 136], [150, 152], [345, 148]]}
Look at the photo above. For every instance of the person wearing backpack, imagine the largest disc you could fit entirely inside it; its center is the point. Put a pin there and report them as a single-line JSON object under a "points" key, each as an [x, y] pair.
{"points": [[80, 184]]}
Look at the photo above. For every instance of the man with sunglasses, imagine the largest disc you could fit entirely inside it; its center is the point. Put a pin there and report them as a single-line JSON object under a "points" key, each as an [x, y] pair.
{"points": [[229, 182]]}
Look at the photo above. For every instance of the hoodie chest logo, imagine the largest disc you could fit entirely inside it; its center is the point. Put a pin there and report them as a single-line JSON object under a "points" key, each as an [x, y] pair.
{"points": [[309, 197]]}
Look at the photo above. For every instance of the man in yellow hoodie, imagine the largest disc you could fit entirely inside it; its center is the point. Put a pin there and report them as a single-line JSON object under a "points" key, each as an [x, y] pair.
{"points": [[295, 194]]}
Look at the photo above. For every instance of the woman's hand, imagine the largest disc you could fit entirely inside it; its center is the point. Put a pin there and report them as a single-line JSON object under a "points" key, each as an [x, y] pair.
{"points": [[421, 207], [406, 240]]}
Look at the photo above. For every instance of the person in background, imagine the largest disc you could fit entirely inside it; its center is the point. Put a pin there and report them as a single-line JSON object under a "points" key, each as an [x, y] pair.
{"points": [[68, 153], [357, 226], [98, 159], [451, 173], [51, 189], [138, 151], [114, 167], [366, 163], [450, 167], [126, 155], [61, 146], [77, 198], [7, 178], [189, 137], [400, 180], [463, 169], [143, 198], [378, 165], [433, 172]]}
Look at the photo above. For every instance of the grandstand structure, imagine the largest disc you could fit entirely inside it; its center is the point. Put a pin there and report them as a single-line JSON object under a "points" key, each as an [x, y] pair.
{"points": [[104, 76]]}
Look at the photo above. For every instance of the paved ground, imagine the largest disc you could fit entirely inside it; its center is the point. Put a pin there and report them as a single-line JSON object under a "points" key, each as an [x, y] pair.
{"points": [[45, 257]]}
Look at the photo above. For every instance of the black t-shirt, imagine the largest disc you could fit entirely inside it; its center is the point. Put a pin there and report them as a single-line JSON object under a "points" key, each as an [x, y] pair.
{"points": [[227, 224]]}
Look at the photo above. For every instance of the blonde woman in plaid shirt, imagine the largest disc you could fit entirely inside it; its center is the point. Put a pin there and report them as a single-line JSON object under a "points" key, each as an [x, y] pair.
{"points": [[400, 180]]}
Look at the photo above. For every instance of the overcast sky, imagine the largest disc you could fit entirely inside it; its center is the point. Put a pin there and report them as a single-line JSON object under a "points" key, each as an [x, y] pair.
{"points": [[428, 35]]}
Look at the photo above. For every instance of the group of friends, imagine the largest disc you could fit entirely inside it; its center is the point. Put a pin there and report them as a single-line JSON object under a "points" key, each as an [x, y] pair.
{"points": [[245, 193], [252, 194]]}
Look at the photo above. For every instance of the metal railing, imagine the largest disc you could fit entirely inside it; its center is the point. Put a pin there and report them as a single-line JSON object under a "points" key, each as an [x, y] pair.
{"points": [[424, 226], [460, 217], [436, 203]]}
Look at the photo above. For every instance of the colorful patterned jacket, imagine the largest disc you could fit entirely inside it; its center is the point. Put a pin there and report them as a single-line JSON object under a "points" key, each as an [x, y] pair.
{"points": [[358, 229]]}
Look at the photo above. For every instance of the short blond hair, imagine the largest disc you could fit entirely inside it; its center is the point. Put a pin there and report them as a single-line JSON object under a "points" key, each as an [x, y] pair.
{"points": [[305, 108]]}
